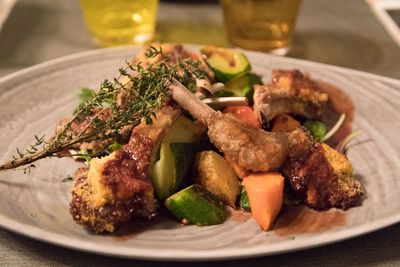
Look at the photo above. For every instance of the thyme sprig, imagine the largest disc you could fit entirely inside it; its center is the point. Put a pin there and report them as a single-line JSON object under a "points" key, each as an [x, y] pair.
{"points": [[145, 89]]}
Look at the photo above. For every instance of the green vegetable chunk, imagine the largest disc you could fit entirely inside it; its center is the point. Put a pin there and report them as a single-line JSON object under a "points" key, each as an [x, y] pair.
{"points": [[183, 131], [175, 158], [316, 128], [243, 85], [169, 172], [195, 205], [244, 200], [226, 63], [223, 93]]}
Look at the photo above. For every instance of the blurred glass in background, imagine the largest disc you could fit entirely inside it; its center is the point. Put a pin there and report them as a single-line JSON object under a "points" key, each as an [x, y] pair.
{"points": [[120, 22], [264, 25]]}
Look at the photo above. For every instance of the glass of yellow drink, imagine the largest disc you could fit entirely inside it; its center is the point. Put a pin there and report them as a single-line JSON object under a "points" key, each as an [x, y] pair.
{"points": [[264, 25], [120, 22]]}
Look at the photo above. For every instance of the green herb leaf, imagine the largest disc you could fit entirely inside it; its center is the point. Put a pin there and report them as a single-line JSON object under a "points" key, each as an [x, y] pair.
{"points": [[142, 90], [84, 94]]}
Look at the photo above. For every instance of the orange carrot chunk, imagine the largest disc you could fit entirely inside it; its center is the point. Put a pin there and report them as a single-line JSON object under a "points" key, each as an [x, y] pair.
{"points": [[244, 114], [265, 192], [285, 123]]}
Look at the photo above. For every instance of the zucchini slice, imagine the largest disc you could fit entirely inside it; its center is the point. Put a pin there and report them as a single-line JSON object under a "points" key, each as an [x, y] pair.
{"points": [[174, 164], [216, 176], [226, 63], [243, 85], [183, 131], [195, 205], [175, 158]]}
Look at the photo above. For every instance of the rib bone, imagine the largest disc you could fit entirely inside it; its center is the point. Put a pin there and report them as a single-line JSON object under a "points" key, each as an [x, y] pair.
{"points": [[251, 148]]}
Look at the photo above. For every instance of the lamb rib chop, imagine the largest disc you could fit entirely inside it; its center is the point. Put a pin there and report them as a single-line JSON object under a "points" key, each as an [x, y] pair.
{"points": [[252, 148], [290, 92], [116, 188], [319, 175]]}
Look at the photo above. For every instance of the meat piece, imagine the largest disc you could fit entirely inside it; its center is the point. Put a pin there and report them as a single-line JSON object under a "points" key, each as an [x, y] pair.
{"points": [[251, 148], [117, 188], [321, 176], [94, 146], [290, 92]]}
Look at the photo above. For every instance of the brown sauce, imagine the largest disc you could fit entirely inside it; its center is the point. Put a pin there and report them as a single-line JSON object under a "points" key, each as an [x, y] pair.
{"points": [[292, 220], [131, 230], [301, 220], [339, 102], [140, 225], [239, 215]]}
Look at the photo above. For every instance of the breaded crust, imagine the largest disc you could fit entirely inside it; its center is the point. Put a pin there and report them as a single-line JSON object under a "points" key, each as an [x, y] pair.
{"points": [[323, 178], [289, 92], [117, 188]]}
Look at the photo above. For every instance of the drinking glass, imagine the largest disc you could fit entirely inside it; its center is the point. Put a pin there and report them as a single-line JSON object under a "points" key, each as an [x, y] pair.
{"points": [[120, 22], [264, 25]]}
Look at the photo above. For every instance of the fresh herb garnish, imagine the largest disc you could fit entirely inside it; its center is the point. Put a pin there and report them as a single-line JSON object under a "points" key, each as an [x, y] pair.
{"points": [[84, 94], [145, 89]]}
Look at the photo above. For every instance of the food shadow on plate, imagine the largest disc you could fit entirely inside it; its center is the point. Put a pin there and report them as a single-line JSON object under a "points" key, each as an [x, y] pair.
{"points": [[162, 221]]}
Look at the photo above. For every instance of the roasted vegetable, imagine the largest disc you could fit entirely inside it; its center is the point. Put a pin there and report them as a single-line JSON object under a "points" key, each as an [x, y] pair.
{"points": [[169, 172], [316, 128], [214, 174], [244, 114], [184, 131], [175, 157], [244, 202], [243, 85], [265, 192], [226, 63], [195, 205], [284, 123]]}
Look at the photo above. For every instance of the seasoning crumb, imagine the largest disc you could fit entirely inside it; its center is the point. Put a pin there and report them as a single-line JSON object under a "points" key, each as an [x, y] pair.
{"points": [[291, 237], [67, 179]]}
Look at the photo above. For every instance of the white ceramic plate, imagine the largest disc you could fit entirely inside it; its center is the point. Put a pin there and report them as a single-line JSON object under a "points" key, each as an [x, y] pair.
{"points": [[33, 100]]}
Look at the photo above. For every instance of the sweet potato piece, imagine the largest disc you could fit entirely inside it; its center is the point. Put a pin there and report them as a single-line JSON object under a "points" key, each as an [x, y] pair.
{"points": [[265, 192], [285, 123], [244, 114]]}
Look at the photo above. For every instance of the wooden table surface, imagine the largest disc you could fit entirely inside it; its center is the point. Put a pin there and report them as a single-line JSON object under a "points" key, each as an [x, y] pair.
{"points": [[343, 33]]}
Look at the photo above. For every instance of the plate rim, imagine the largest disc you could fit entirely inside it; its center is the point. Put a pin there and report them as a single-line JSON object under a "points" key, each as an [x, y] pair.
{"points": [[200, 255]]}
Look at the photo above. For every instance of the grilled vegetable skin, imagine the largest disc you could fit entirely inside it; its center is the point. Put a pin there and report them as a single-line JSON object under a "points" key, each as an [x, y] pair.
{"points": [[213, 172], [175, 158], [243, 85], [195, 205], [226, 63]]}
